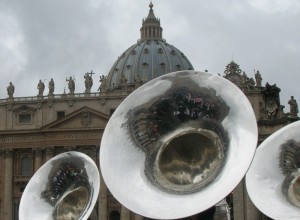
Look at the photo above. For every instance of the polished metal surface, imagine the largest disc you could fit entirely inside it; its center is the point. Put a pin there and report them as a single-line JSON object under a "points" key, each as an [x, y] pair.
{"points": [[273, 178], [64, 188], [178, 145]]}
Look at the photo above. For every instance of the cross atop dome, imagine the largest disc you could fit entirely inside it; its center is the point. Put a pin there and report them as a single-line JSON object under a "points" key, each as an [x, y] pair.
{"points": [[151, 5], [151, 28]]}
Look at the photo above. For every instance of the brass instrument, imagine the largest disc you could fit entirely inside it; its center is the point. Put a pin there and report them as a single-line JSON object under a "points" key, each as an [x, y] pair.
{"points": [[178, 144], [273, 180], [64, 188]]}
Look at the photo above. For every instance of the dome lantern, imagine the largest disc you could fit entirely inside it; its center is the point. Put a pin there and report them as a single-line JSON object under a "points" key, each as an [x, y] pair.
{"points": [[151, 28]]}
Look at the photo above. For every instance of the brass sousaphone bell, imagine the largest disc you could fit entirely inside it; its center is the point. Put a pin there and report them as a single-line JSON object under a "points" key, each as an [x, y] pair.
{"points": [[178, 145], [273, 180], [64, 188]]}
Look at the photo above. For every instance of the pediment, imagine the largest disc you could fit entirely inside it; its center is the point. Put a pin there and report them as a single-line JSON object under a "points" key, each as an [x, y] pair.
{"points": [[24, 109], [83, 118]]}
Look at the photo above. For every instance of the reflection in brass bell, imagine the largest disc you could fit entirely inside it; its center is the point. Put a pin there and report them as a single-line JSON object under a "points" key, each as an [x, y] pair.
{"points": [[64, 188], [176, 142], [273, 182]]}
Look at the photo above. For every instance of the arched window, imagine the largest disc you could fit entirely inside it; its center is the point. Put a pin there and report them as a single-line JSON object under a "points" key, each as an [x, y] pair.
{"points": [[25, 166], [114, 215]]}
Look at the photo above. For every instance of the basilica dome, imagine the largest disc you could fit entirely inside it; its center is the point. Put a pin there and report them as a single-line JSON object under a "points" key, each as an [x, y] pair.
{"points": [[149, 58]]}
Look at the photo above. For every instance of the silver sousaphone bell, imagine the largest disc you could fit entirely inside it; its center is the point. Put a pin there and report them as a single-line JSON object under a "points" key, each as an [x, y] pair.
{"points": [[64, 188], [273, 180], [178, 145]]}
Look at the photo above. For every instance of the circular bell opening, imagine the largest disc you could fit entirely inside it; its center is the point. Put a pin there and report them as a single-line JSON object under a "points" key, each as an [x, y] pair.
{"points": [[189, 160], [72, 204], [292, 181]]}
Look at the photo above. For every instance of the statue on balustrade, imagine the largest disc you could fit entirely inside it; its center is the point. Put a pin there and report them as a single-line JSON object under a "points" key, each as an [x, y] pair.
{"points": [[71, 85], [88, 82], [258, 79], [51, 87], [293, 107], [41, 88], [103, 85], [10, 90]]}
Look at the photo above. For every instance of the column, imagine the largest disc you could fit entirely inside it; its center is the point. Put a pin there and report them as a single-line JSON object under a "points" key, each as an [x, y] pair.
{"points": [[49, 153], [8, 183], [138, 217], [125, 213], [252, 212], [102, 201], [38, 153], [238, 201]]}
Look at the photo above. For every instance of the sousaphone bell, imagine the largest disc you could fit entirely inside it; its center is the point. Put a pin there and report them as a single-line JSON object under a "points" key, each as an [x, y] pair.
{"points": [[64, 188], [178, 145], [273, 180]]}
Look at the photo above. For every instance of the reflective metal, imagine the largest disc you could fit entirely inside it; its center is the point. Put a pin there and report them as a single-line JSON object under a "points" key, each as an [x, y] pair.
{"points": [[273, 178], [64, 188], [178, 145]]}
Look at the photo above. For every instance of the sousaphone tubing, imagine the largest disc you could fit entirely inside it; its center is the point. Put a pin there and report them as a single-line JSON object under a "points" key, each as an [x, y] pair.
{"points": [[178, 144]]}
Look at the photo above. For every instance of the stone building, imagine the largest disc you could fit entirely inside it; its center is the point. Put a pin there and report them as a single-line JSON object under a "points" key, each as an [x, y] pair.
{"points": [[35, 129]]}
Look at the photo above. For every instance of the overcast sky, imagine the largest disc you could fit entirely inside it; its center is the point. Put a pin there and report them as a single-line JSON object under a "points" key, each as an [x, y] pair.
{"points": [[44, 39]]}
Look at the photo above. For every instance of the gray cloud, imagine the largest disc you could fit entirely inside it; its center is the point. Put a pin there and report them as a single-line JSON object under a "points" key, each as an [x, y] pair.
{"points": [[57, 39]]}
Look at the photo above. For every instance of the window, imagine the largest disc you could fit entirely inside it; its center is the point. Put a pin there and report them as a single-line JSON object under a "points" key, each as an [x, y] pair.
{"points": [[114, 215], [111, 111], [25, 166], [60, 115], [25, 118]]}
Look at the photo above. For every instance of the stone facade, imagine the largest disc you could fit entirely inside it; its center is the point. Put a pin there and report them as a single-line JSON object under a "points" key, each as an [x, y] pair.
{"points": [[35, 129]]}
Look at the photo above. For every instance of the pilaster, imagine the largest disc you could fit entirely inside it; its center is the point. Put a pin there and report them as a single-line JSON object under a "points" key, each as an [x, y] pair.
{"points": [[38, 153], [251, 212], [8, 179], [125, 213], [102, 202], [49, 153], [238, 201], [138, 217]]}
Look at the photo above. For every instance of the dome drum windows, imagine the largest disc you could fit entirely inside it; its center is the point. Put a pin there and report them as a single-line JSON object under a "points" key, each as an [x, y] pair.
{"points": [[178, 67], [133, 52], [162, 68], [148, 58], [145, 67]]}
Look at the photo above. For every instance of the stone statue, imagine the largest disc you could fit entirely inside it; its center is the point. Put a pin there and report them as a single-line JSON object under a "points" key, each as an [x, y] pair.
{"points": [[41, 88], [103, 85], [272, 102], [247, 82], [258, 79], [71, 85], [88, 82], [51, 87], [10, 90], [293, 107]]}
